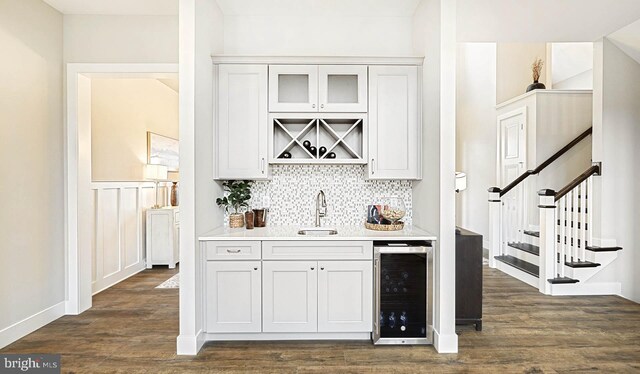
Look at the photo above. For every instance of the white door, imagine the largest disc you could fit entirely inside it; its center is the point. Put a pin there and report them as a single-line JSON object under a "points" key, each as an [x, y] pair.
{"points": [[242, 122], [513, 155], [342, 88], [293, 88], [394, 135], [345, 296], [290, 296], [233, 296]]}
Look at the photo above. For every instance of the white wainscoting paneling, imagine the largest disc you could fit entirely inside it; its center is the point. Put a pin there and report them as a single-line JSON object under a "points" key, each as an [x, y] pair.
{"points": [[118, 245]]}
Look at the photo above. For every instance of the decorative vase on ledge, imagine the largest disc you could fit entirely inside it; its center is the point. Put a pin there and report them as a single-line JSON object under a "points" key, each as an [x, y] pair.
{"points": [[236, 220], [536, 86]]}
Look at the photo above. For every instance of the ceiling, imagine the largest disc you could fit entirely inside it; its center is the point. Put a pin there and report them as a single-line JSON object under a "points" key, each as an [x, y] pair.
{"points": [[116, 7], [543, 20], [628, 39], [364, 8]]}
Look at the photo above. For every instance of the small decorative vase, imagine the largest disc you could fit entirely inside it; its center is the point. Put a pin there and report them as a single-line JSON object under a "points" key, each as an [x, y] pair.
{"points": [[249, 218], [236, 220], [174, 194], [536, 86]]}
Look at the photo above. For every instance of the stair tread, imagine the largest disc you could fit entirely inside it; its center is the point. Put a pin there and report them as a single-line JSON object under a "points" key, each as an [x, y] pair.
{"points": [[519, 264], [532, 233], [562, 280], [594, 248], [526, 247], [581, 264]]}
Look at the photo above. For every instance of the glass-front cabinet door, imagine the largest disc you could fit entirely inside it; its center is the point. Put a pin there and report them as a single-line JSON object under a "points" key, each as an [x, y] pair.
{"points": [[342, 88], [293, 88]]}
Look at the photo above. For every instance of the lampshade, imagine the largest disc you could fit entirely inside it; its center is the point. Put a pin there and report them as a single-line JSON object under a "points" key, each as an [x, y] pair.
{"points": [[155, 172]]}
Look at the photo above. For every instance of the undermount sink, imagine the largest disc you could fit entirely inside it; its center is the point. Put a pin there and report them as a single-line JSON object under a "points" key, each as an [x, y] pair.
{"points": [[319, 231]]}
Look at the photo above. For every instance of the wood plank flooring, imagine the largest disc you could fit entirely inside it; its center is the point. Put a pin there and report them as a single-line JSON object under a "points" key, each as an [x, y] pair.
{"points": [[132, 328]]}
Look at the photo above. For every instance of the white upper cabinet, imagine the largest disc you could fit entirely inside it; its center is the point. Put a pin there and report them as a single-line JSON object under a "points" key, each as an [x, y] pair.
{"points": [[394, 123], [241, 128], [342, 88], [318, 88], [293, 88]]}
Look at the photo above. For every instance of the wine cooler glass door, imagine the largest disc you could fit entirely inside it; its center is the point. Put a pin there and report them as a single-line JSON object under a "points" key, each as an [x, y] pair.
{"points": [[402, 295]]}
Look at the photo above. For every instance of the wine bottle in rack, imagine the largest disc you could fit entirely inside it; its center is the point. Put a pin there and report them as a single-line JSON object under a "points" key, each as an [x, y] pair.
{"points": [[392, 320], [403, 321]]}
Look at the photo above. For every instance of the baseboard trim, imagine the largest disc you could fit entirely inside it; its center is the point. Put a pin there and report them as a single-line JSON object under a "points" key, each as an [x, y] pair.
{"points": [[288, 336], [445, 343], [189, 345], [586, 289], [30, 324], [113, 279]]}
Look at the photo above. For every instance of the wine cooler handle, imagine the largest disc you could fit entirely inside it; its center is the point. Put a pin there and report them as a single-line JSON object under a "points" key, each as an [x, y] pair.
{"points": [[376, 272]]}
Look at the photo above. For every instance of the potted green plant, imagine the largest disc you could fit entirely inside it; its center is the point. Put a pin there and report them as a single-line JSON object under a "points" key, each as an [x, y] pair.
{"points": [[238, 193]]}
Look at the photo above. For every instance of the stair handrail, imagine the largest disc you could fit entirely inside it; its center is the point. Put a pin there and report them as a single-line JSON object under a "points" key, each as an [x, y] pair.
{"points": [[543, 165], [593, 170]]}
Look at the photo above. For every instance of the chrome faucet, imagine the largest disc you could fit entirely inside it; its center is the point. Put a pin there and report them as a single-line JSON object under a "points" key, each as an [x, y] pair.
{"points": [[321, 207]]}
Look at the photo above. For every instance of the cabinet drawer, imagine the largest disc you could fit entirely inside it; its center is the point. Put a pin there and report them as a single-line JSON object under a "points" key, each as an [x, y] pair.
{"points": [[239, 250], [317, 250]]}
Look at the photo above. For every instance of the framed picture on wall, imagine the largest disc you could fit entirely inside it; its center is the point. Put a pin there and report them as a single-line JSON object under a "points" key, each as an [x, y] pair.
{"points": [[163, 150]]}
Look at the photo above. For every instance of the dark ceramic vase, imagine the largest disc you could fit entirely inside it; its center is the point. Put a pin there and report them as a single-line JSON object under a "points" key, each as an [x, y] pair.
{"points": [[536, 86]]}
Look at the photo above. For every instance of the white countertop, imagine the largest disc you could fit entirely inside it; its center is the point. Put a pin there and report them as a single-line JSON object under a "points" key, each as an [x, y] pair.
{"points": [[291, 233]]}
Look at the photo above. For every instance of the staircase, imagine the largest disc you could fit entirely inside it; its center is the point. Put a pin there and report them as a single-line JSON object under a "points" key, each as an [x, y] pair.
{"points": [[558, 257]]}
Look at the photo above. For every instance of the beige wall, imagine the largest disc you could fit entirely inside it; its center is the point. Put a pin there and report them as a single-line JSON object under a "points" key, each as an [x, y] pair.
{"points": [[476, 134], [31, 161], [111, 39], [122, 111], [514, 68]]}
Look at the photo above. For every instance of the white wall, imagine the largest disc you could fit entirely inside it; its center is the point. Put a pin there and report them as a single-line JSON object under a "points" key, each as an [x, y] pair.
{"points": [[433, 197], [122, 111], [514, 62], [476, 133], [617, 119], [31, 165], [201, 34], [111, 39], [571, 66], [317, 34]]}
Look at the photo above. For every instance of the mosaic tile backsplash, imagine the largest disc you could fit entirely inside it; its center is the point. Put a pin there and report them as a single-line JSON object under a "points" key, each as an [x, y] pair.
{"points": [[291, 194]]}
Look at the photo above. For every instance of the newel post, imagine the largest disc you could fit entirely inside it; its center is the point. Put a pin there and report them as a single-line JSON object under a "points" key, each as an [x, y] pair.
{"points": [[495, 225], [548, 257]]}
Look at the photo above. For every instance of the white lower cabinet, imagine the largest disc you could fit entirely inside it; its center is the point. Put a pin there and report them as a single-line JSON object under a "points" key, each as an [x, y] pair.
{"points": [[324, 296], [290, 290], [331, 292], [345, 296], [233, 296]]}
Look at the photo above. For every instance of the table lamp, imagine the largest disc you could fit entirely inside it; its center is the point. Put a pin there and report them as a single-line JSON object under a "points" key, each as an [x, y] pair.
{"points": [[155, 173]]}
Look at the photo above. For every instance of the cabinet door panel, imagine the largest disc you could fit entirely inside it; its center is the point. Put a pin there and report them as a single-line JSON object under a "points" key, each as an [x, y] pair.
{"points": [[293, 88], [345, 296], [233, 296], [342, 88], [290, 296], [394, 135], [242, 122]]}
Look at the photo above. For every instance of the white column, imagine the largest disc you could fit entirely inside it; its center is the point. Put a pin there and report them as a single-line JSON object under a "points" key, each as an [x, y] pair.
{"points": [[495, 225], [547, 240]]}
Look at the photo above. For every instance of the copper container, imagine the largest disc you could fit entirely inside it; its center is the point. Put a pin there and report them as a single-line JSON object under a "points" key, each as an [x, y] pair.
{"points": [[249, 219], [261, 217]]}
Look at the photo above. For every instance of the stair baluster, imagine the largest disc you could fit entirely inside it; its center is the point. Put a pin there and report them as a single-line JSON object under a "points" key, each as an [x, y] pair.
{"points": [[562, 216], [589, 210], [583, 220]]}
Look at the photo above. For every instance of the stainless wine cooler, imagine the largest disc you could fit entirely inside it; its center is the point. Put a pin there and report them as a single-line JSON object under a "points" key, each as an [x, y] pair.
{"points": [[403, 274]]}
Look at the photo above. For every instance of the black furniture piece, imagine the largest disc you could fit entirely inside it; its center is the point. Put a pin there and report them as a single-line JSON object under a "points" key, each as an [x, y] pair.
{"points": [[468, 278]]}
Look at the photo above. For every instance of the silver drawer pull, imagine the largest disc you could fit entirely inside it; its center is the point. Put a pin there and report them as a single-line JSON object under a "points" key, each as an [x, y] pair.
{"points": [[237, 250]]}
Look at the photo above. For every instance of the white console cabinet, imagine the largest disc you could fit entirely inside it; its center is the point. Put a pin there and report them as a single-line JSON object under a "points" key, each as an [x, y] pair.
{"points": [[163, 236]]}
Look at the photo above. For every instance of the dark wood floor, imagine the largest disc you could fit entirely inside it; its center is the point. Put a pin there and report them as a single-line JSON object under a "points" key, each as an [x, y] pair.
{"points": [[132, 328]]}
